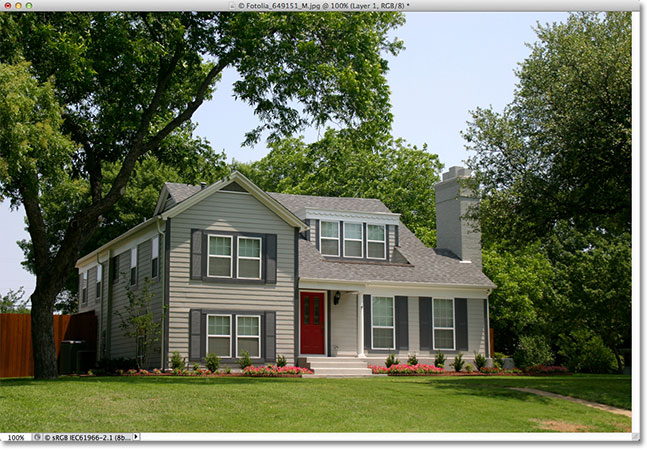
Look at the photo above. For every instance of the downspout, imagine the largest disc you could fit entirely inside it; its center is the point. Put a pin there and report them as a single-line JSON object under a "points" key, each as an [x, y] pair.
{"points": [[100, 330], [163, 281], [108, 353]]}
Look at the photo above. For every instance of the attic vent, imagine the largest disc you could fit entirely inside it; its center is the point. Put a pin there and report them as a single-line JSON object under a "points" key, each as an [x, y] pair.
{"points": [[203, 185], [234, 187]]}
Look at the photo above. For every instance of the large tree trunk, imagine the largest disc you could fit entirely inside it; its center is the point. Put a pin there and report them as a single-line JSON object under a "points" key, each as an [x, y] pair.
{"points": [[42, 335]]}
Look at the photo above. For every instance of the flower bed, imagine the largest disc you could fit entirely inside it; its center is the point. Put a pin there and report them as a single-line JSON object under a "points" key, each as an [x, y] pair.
{"points": [[275, 371], [547, 370], [405, 369]]}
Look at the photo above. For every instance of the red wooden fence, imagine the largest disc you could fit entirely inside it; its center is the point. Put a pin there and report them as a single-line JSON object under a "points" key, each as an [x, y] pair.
{"points": [[16, 357]]}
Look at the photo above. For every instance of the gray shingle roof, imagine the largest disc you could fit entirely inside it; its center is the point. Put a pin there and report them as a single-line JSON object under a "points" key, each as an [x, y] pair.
{"points": [[295, 202], [179, 192]]}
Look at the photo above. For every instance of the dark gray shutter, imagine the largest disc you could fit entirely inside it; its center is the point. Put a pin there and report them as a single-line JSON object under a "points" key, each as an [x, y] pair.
{"points": [[387, 243], [341, 238], [195, 334], [270, 336], [401, 323], [270, 258], [424, 310], [367, 321], [460, 314], [317, 226], [196, 254]]}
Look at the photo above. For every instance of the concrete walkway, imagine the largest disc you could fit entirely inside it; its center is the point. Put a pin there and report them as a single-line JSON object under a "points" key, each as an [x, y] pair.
{"points": [[611, 409]]}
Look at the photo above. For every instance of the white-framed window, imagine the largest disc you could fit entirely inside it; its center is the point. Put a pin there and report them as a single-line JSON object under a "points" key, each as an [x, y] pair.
{"points": [[376, 241], [444, 332], [99, 280], [249, 258], [383, 323], [219, 258], [329, 238], [133, 266], [155, 257], [219, 335], [84, 287], [353, 240], [248, 335]]}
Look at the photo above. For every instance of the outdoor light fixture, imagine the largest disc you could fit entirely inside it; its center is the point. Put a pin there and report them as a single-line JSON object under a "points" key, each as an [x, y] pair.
{"points": [[337, 297]]}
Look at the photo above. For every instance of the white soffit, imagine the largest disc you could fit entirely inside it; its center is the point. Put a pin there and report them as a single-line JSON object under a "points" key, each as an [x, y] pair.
{"points": [[353, 216]]}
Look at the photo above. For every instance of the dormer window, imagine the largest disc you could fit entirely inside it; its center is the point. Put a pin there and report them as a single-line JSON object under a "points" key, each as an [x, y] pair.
{"points": [[353, 240], [329, 239], [376, 242]]}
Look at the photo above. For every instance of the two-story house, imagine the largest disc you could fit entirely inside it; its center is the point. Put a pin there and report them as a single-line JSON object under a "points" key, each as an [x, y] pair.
{"points": [[312, 278]]}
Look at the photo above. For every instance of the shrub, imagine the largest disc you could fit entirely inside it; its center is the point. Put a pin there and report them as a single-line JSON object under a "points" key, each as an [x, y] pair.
{"points": [[227, 370], [458, 362], [212, 361], [196, 367], [108, 366], [245, 360], [532, 351], [586, 353], [479, 361], [281, 361], [391, 360], [274, 371], [498, 359], [547, 370], [412, 360], [439, 360], [490, 370], [469, 368], [177, 362]]}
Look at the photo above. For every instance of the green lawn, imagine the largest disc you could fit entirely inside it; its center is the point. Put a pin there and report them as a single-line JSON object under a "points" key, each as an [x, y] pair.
{"points": [[384, 404]]}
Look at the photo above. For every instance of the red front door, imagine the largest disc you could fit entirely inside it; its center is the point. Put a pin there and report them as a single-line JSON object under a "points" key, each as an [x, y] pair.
{"points": [[312, 323]]}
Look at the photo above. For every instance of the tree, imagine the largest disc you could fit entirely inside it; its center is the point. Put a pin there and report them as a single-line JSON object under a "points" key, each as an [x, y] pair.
{"points": [[12, 302], [349, 164], [562, 149], [89, 93]]}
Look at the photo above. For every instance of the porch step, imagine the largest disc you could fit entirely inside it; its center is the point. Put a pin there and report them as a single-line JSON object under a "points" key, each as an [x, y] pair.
{"points": [[336, 367]]}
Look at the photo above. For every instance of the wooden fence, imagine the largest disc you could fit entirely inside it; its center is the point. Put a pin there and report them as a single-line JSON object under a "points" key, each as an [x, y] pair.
{"points": [[16, 357]]}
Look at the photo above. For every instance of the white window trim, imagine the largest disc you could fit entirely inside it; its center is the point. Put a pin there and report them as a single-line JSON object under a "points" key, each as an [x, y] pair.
{"points": [[133, 265], [231, 256], [360, 240], [253, 258], [238, 336], [99, 280], [84, 288], [372, 240], [155, 249], [434, 327], [382, 326], [328, 238], [206, 350]]}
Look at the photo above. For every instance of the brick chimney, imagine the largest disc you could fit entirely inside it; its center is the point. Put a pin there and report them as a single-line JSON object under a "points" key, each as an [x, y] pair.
{"points": [[454, 231]]}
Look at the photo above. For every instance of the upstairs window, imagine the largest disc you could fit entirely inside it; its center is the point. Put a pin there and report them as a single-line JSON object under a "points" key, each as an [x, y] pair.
{"points": [[376, 242], [353, 240], [155, 253], [249, 258], [329, 239], [219, 261], [99, 279], [84, 288], [133, 266]]}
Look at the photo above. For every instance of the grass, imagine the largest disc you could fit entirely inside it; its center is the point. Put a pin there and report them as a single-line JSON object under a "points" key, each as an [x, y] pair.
{"points": [[384, 404]]}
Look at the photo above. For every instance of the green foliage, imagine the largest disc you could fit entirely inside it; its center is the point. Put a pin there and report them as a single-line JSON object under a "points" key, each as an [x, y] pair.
{"points": [[391, 360], [177, 361], [469, 368], [533, 350], [212, 361], [109, 366], [12, 302], [439, 359], [584, 352], [560, 150], [479, 361], [458, 362], [413, 359], [139, 323], [497, 360], [245, 360], [347, 163], [281, 361], [196, 367]]}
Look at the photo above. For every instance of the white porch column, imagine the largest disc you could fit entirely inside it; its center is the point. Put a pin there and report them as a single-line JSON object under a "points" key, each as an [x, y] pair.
{"points": [[360, 325]]}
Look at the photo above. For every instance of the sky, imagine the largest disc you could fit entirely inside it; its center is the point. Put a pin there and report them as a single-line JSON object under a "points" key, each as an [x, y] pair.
{"points": [[452, 63]]}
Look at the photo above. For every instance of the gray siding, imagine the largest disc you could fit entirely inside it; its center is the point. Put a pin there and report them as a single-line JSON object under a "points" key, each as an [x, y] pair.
{"points": [[414, 325], [343, 325], [476, 326], [231, 212], [122, 346]]}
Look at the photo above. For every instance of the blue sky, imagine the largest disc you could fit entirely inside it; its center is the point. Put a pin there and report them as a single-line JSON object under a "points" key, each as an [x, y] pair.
{"points": [[452, 63]]}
